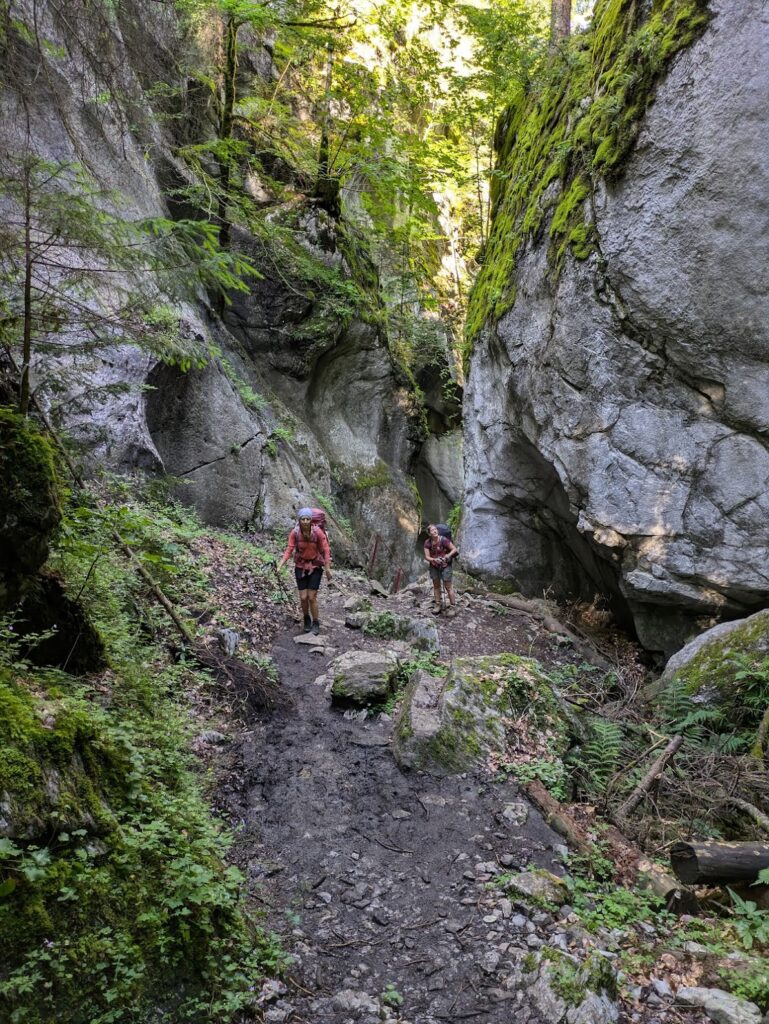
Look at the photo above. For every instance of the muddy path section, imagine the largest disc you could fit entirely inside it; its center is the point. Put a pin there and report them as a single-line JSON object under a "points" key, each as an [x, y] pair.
{"points": [[379, 882]]}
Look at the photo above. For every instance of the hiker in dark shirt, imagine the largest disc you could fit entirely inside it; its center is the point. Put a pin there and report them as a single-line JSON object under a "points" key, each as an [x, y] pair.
{"points": [[439, 552], [309, 546]]}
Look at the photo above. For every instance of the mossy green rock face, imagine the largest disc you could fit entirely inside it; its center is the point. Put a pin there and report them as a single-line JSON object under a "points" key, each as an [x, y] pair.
{"points": [[29, 506], [728, 667], [452, 725]]}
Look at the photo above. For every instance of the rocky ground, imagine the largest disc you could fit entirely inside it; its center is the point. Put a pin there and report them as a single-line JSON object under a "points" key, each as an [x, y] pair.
{"points": [[391, 890]]}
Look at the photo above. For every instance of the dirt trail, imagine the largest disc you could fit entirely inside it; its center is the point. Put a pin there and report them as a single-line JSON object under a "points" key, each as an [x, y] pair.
{"points": [[378, 880]]}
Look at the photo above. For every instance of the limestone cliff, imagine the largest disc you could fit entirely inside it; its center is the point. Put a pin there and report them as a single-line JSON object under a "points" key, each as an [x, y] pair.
{"points": [[300, 400], [616, 411]]}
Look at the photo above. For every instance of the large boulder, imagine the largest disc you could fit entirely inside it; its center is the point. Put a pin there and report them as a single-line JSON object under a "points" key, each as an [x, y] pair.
{"points": [[617, 413], [481, 711], [363, 677]]}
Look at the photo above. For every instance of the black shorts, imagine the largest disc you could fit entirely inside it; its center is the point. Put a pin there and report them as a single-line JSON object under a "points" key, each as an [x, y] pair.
{"points": [[308, 580]]}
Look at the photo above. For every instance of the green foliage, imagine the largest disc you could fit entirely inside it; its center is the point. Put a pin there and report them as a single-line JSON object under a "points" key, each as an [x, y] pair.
{"points": [[598, 758], [750, 923], [603, 904], [117, 905], [385, 626], [391, 996], [748, 981], [78, 274], [377, 476], [454, 518], [551, 772]]}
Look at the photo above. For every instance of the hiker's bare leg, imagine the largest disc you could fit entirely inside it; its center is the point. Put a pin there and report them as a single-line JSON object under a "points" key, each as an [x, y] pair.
{"points": [[304, 600], [437, 591], [450, 593], [313, 602]]}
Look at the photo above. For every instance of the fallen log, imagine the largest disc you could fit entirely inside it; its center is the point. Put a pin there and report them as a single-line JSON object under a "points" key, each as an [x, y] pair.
{"points": [[558, 818], [650, 876], [549, 623], [677, 899], [716, 863]]}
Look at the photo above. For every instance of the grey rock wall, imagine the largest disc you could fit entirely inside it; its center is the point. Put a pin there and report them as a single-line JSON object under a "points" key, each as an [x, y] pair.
{"points": [[331, 409], [617, 422]]}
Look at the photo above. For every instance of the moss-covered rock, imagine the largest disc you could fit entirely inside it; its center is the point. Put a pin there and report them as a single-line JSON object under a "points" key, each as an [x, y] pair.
{"points": [[726, 667], [363, 677], [29, 504], [470, 718]]}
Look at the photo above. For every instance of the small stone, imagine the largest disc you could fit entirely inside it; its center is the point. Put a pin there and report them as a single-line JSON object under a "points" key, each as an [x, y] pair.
{"points": [[400, 814], [229, 641], [507, 860], [326, 897], [696, 949], [490, 961], [516, 813], [662, 988], [211, 738]]}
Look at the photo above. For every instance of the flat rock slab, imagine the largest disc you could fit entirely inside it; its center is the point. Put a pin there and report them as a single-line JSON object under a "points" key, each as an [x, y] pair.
{"points": [[311, 640], [720, 1006]]}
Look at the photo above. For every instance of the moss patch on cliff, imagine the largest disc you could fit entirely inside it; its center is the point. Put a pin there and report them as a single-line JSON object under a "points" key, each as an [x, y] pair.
{"points": [[29, 501], [577, 123]]}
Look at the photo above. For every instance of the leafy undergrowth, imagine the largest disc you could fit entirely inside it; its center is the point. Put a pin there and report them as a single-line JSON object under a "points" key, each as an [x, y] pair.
{"points": [[116, 901], [616, 730]]}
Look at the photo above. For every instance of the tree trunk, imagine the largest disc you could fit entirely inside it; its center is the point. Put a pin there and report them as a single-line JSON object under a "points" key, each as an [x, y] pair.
{"points": [[26, 355], [560, 20], [716, 863], [226, 122]]}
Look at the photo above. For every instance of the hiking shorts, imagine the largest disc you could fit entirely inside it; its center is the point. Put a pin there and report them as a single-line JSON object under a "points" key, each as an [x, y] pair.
{"points": [[308, 580], [441, 574]]}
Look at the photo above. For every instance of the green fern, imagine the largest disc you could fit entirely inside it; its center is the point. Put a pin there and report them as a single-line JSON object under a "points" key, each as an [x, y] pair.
{"points": [[599, 757]]}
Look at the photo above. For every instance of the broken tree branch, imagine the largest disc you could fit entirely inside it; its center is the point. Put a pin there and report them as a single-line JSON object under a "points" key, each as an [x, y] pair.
{"points": [[649, 779]]}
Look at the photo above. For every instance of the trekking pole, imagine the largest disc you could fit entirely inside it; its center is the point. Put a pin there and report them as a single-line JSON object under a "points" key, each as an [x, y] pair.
{"points": [[285, 592]]}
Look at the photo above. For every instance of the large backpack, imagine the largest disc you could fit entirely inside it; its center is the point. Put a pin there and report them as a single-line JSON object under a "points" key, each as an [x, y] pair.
{"points": [[444, 531]]}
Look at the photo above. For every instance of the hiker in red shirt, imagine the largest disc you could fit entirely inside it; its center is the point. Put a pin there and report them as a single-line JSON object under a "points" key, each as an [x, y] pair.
{"points": [[309, 546], [439, 552]]}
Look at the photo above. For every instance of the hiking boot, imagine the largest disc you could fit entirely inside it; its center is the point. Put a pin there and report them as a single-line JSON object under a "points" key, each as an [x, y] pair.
{"points": [[435, 608], [451, 612], [315, 628], [307, 623]]}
